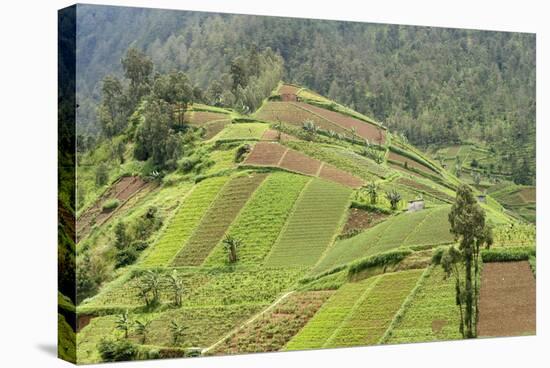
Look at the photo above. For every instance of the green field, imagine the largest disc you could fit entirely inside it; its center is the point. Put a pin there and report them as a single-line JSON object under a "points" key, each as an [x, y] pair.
{"points": [[346, 321], [311, 225], [432, 314], [317, 264], [427, 227], [184, 222], [242, 131], [262, 219], [217, 219]]}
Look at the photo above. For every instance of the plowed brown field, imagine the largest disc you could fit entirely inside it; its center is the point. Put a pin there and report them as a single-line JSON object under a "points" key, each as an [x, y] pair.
{"points": [[265, 154], [275, 155], [363, 129], [123, 190], [507, 305], [330, 172]]}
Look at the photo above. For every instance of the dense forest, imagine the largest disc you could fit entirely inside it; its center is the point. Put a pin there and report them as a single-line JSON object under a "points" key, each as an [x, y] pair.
{"points": [[437, 86]]}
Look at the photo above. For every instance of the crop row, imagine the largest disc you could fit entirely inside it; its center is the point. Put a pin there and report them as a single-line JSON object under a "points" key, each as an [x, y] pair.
{"points": [[432, 314], [184, 222], [358, 313], [289, 113], [206, 287], [427, 227], [217, 219], [262, 219], [272, 330], [311, 226], [370, 319]]}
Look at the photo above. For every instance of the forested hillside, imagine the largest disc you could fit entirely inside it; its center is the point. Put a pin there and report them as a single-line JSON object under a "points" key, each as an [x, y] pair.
{"points": [[437, 86]]}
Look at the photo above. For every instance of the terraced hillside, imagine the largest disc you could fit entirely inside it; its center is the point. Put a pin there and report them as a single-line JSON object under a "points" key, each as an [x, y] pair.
{"points": [[270, 234]]}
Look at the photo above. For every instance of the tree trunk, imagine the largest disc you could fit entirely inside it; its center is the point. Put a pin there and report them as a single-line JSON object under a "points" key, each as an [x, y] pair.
{"points": [[469, 292]]}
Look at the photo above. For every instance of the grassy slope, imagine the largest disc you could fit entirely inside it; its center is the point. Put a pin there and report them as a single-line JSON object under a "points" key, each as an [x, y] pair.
{"points": [[311, 226]]}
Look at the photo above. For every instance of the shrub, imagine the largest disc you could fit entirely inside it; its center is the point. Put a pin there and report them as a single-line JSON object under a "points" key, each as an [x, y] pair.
{"points": [[110, 204], [126, 256], [507, 254], [379, 260], [241, 152], [437, 254], [116, 350]]}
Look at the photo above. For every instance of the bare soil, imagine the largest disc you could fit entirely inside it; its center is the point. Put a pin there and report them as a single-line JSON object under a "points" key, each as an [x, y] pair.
{"points": [[272, 135], [214, 127], [359, 219], [528, 194], [334, 174], [298, 162], [507, 305], [265, 154], [363, 129]]}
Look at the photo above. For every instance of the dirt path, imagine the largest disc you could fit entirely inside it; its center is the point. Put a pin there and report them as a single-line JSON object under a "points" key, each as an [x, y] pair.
{"points": [[507, 305]]}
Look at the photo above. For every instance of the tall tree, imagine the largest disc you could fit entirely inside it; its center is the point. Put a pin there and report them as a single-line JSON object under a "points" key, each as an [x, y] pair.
{"points": [[467, 220], [138, 68]]}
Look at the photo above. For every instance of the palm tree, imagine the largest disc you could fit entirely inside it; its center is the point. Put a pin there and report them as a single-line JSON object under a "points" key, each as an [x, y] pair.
{"points": [[394, 198], [310, 127], [142, 329], [123, 323], [372, 190], [150, 287], [231, 243], [176, 283], [177, 330]]}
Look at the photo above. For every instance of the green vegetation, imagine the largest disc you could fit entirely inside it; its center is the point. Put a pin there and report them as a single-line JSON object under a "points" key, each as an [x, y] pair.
{"points": [[431, 313], [242, 131], [262, 219], [183, 249], [358, 313], [428, 227], [217, 219], [184, 221], [312, 223]]}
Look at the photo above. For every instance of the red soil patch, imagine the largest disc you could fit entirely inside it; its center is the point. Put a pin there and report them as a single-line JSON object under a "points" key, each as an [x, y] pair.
{"points": [[507, 305], [332, 173], [364, 129], [124, 189], [298, 162], [272, 135], [529, 194], [273, 330], [359, 219], [402, 169], [410, 163], [265, 154], [202, 117], [289, 113]]}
